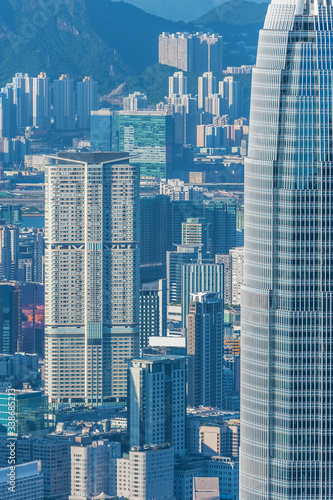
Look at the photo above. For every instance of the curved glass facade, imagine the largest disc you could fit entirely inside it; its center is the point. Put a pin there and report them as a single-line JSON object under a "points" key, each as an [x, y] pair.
{"points": [[287, 297]]}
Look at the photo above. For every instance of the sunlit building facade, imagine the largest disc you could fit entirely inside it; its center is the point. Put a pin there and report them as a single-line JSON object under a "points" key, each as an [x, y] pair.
{"points": [[287, 296]]}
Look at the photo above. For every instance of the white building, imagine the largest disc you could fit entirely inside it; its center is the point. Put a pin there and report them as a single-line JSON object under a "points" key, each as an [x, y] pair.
{"points": [[237, 256], [40, 98], [92, 279], [146, 474], [135, 102], [94, 469], [27, 482], [157, 401], [178, 191]]}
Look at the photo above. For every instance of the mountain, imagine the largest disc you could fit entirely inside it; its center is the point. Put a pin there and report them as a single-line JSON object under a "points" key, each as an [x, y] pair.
{"points": [[184, 10], [108, 40], [115, 42], [235, 12]]}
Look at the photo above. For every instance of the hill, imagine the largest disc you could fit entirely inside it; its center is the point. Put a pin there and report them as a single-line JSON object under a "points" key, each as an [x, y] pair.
{"points": [[109, 40], [115, 42], [184, 10]]}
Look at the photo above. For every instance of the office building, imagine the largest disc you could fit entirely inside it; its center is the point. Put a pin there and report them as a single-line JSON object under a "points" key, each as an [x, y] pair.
{"points": [[30, 408], [9, 249], [148, 137], [30, 261], [92, 282], [103, 131], [153, 311], [175, 261], [41, 101], [197, 231], [205, 348], [86, 101], [55, 458], [63, 103], [146, 473], [286, 372], [27, 482], [135, 102], [10, 317], [153, 237], [92, 469], [226, 469], [157, 401], [200, 277]]}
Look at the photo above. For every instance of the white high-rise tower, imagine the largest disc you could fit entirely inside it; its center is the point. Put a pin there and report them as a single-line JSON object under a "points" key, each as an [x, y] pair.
{"points": [[287, 297], [91, 276]]}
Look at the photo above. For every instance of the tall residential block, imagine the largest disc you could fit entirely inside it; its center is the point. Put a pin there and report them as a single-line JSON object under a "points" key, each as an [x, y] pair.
{"points": [[192, 52], [157, 401], [9, 252], [287, 296], [40, 94], [205, 350], [86, 101], [92, 279], [63, 103]]}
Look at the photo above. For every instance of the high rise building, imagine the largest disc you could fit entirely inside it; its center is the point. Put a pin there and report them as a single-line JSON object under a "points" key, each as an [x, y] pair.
{"points": [[103, 130], [146, 473], [226, 260], [153, 237], [9, 252], [63, 103], [10, 317], [92, 469], [153, 311], [86, 101], [200, 277], [286, 373], [135, 102], [237, 256], [197, 52], [92, 279], [207, 87], [148, 136], [157, 401], [11, 215], [41, 101], [30, 410], [175, 260], [231, 91], [177, 84], [205, 350]]}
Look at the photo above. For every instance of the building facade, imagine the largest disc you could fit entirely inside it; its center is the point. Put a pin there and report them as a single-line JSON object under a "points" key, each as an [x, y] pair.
{"points": [[153, 311], [286, 392], [157, 401], [91, 275], [205, 350]]}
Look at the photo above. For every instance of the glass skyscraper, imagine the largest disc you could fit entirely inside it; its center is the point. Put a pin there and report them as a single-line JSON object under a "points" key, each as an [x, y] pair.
{"points": [[287, 297]]}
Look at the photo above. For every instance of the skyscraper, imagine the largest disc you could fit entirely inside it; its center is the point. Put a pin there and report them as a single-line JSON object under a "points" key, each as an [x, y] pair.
{"points": [[157, 401], [87, 101], [205, 350], [91, 275], [286, 394], [63, 103], [41, 101]]}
